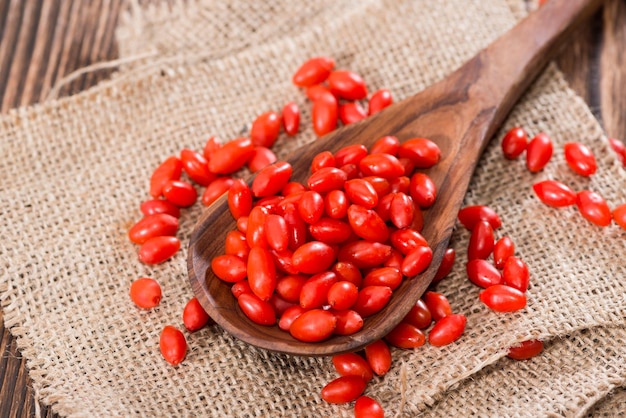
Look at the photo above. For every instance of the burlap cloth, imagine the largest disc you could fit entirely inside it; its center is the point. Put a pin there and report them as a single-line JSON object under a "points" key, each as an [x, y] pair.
{"points": [[75, 170]]}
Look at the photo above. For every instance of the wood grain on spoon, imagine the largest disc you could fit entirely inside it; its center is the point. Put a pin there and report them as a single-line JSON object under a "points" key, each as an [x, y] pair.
{"points": [[460, 113]]}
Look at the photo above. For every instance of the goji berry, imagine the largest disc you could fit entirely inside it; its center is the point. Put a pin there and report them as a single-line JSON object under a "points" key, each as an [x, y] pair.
{"points": [[438, 305], [423, 152], [194, 315], [325, 114], [342, 295], [379, 100], [297, 227], [481, 241], [313, 326], [386, 145], [348, 322], [447, 262], [352, 364], [351, 170], [330, 231], [348, 272], [383, 276], [170, 169], [280, 305], [239, 288], [620, 149], [196, 167], [314, 291], [261, 158], [327, 179], [351, 112], [154, 206], [503, 298], [394, 260], [381, 165], [580, 158], [378, 356], [291, 118], [255, 234], [289, 316], [271, 179], [293, 188], [554, 193], [380, 184], [525, 350], [366, 407], [502, 250], [317, 91], [313, 257], [423, 190], [265, 129], [469, 216], [231, 156], [364, 254], [447, 330], [146, 292], [311, 207], [322, 160], [514, 143], [173, 345], [211, 145], [343, 389], [289, 286], [261, 273], [416, 261], [401, 210], [216, 189], [593, 207], [276, 232], [229, 268], [619, 215], [239, 199], [538, 152], [515, 273], [482, 273], [406, 335], [371, 300], [367, 224], [313, 71], [180, 193], [383, 209], [150, 226], [259, 311], [158, 249], [400, 184], [347, 85], [350, 154], [407, 240], [419, 315]]}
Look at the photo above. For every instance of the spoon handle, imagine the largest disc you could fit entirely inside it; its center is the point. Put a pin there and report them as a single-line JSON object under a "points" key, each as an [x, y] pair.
{"points": [[509, 65]]}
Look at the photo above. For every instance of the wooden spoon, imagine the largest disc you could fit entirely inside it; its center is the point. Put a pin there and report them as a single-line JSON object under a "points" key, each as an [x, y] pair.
{"points": [[460, 113]]}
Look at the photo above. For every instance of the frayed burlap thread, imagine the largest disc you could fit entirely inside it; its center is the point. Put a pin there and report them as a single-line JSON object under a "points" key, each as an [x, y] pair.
{"points": [[79, 168]]}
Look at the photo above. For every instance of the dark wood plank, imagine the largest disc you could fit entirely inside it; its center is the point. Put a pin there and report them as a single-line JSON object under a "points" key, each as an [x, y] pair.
{"points": [[42, 41], [613, 69], [594, 64]]}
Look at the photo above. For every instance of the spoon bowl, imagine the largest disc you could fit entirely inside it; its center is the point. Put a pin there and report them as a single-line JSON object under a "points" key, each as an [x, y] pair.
{"points": [[460, 114]]}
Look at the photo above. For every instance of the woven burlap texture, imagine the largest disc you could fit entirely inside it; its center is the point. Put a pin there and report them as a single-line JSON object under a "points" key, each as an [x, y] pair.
{"points": [[78, 169]]}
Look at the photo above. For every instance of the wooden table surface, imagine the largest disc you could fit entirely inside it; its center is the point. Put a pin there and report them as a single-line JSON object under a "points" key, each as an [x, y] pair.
{"points": [[41, 41]]}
